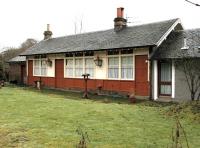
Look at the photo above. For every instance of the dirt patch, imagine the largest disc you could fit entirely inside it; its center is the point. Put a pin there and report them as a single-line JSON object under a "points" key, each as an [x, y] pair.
{"points": [[10, 138]]}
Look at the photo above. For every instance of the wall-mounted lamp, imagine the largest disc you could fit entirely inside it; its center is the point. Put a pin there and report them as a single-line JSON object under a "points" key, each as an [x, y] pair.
{"points": [[49, 62], [98, 61]]}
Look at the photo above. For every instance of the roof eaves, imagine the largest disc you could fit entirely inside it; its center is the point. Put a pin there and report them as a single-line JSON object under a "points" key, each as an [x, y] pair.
{"points": [[152, 45], [178, 21]]}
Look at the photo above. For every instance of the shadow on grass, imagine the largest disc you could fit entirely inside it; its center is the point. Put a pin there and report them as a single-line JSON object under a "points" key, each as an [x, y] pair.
{"points": [[77, 95], [152, 103]]}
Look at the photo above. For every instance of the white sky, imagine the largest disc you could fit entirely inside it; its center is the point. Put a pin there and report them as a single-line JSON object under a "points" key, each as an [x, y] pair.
{"points": [[22, 19]]}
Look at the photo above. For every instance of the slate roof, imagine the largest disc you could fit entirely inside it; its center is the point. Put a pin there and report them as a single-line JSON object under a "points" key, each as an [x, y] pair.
{"points": [[171, 47], [17, 59], [135, 36]]}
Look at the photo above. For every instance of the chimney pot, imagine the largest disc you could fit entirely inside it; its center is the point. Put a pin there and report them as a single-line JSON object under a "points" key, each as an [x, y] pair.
{"points": [[47, 33], [48, 27], [120, 12], [119, 21]]}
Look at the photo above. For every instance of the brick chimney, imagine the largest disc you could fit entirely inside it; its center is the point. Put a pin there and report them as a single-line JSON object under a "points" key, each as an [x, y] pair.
{"points": [[120, 22], [47, 33]]}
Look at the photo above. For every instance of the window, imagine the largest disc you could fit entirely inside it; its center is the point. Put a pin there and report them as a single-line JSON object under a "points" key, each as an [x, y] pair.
{"points": [[120, 64], [127, 67], [113, 67], [89, 66], [78, 67], [37, 67], [69, 67], [79, 63], [165, 78], [40, 67], [43, 68]]}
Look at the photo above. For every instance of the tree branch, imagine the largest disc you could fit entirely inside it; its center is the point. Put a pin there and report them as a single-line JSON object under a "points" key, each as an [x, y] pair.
{"points": [[196, 4]]}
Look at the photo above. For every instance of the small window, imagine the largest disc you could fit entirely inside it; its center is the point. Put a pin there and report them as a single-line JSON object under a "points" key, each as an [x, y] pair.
{"points": [[40, 56], [78, 54], [113, 52], [89, 53], [43, 56], [69, 55], [127, 51]]}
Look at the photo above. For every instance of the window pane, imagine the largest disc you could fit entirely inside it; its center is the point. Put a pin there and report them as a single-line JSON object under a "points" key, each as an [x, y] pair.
{"points": [[43, 68], [165, 89], [40, 67], [113, 67], [69, 67], [166, 72], [36, 63], [43, 71], [127, 67], [43, 63], [78, 67], [36, 71], [89, 66]]}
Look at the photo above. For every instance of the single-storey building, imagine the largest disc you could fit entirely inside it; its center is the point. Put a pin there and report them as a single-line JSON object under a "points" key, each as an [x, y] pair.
{"points": [[124, 59], [17, 70]]}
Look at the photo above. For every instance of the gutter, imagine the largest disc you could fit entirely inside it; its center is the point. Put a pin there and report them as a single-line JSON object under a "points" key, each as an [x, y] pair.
{"points": [[152, 45]]}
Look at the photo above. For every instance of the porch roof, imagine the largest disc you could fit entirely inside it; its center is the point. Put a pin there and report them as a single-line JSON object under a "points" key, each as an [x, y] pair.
{"points": [[171, 48], [17, 59]]}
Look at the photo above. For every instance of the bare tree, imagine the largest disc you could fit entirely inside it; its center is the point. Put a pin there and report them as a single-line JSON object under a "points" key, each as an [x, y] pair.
{"points": [[11, 52], [78, 28], [191, 69]]}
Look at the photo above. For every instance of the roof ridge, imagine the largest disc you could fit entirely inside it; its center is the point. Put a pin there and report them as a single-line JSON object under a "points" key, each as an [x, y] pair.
{"points": [[98, 31]]}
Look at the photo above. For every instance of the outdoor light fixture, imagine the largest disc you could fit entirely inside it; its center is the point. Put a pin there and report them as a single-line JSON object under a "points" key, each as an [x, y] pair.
{"points": [[98, 61], [49, 62]]}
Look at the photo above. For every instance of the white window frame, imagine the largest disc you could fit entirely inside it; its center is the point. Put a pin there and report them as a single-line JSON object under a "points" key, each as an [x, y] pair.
{"points": [[113, 56], [83, 63], [65, 67], [133, 67], [119, 68], [92, 58], [40, 68], [74, 66]]}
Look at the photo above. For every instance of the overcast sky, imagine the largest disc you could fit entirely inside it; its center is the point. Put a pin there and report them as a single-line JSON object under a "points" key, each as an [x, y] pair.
{"points": [[22, 19]]}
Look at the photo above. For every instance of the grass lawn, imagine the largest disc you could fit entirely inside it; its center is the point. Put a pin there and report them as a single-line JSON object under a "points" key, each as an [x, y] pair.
{"points": [[30, 118]]}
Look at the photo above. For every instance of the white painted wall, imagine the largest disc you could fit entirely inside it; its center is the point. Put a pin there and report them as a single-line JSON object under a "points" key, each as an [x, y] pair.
{"points": [[51, 69], [101, 72]]}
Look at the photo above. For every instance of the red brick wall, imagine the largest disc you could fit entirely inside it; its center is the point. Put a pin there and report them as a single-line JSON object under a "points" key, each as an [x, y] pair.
{"points": [[123, 86], [141, 75]]}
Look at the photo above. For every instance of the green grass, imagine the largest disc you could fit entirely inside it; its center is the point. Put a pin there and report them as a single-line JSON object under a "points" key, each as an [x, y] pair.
{"points": [[30, 118]]}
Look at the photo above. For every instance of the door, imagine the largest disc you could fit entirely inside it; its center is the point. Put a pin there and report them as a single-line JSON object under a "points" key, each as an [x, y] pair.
{"points": [[23, 74], [165, 78], [59, 73], [141, 75]]}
